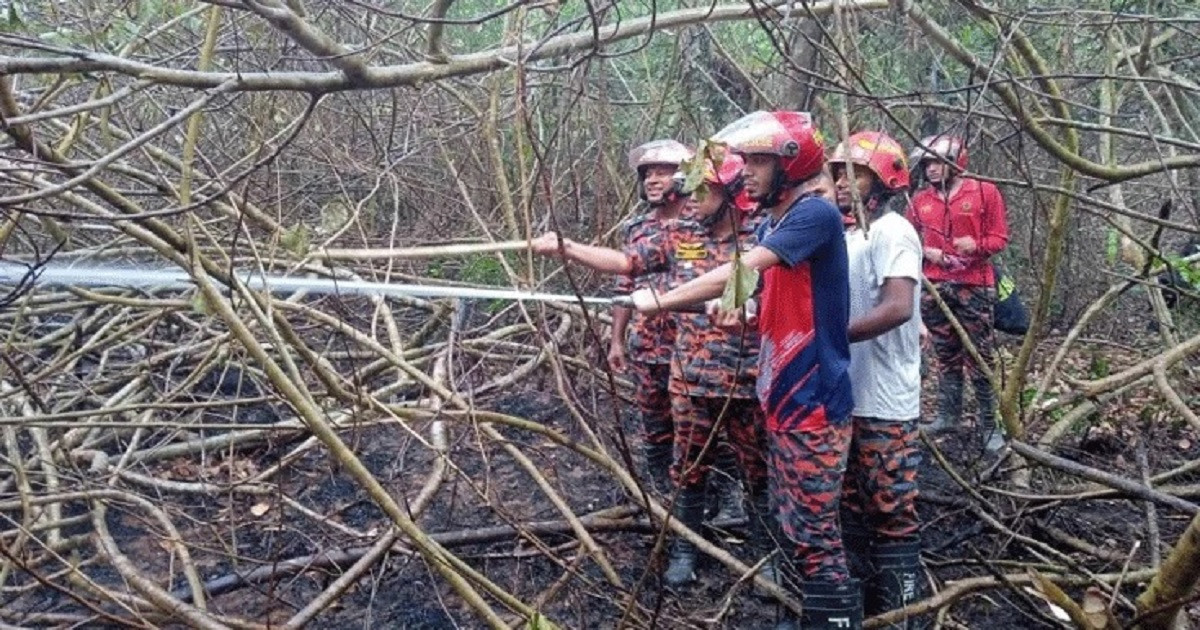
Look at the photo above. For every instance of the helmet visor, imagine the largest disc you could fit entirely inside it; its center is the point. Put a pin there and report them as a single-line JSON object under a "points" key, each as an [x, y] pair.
{"points": [[659, 152], [758, 132]]}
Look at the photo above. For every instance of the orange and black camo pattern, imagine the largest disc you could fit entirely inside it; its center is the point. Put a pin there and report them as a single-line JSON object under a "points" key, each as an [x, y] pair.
{"points": [[713, 361], [710, 361], [696, 417], [805, 486], [650, 337], [972, 305], [881, 477], [652, 401]]}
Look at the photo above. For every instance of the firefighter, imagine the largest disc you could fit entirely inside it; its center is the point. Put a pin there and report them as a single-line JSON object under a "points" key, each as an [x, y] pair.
{"points": [[961, 222], [880, 527], [803, 383], [643, 350], [713, 374]]}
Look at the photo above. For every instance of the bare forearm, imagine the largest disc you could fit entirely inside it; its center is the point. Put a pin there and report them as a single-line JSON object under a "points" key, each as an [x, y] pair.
{"points": [[620, 319], [894, 309], [877, 321], [601, 259], [697, 291]]}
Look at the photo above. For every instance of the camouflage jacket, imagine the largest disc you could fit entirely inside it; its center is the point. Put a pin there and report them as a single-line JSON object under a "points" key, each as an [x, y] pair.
{"points": [[710, 361], [650, 337]]}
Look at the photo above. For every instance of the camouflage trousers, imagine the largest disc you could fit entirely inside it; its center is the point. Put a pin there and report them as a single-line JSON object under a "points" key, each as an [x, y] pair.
{"points": [[972, 305], [697, 417], [881, 478], [652, 400], [806, 469]]}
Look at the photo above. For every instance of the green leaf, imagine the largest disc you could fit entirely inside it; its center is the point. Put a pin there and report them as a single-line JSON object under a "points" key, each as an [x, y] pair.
{"points": [[200, 305], [12, 17], [295, 240], [1190, 273], [693, 177], [741, 285], [540, 622], [693, 169]]}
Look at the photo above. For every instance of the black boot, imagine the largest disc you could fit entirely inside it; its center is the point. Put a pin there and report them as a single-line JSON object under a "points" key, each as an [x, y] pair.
{"points": [[949, 403], [898, 582], [985, 399], [762, 542], [725, 483], [681, 563], [829, 606], [658, 468], [856, 540]]}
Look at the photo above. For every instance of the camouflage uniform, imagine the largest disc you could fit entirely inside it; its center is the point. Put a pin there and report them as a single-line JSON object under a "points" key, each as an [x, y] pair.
{"points": [[881, 477], [651, 337], [807, 467], [972, 305], [966, 283], [713, 380], [713, 377]]}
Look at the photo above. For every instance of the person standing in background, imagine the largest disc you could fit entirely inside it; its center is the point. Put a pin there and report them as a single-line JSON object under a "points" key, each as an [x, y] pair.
{"points": [[962, 224]]}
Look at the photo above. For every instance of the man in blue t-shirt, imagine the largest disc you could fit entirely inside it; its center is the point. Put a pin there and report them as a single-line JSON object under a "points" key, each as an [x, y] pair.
{"points": [[803, 383]]}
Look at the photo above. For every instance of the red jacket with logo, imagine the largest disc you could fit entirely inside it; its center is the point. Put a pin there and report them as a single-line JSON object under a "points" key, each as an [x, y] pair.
{"points": [[977, 210]]}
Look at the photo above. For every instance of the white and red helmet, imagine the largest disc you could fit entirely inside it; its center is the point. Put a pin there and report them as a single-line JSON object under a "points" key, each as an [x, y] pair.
{"points": [[952, 149], [667, 152], [659, 152], [730, 177], [791, 136]]}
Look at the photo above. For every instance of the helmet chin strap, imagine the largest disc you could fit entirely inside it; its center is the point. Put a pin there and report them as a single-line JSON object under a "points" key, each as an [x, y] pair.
{"points": [[673, 193], [778, 184], [716, 217], [872, 203]]}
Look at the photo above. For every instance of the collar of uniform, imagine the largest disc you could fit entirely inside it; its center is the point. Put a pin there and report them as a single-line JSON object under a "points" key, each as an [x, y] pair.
{"points": [[969, 186]]}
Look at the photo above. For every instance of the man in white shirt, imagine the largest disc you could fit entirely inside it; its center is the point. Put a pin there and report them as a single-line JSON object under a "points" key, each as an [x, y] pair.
{"points": [[880, 524]]}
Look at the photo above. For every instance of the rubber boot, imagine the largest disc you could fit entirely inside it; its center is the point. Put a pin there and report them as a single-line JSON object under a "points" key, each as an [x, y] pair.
{"points": [[949, 403], [658, 467], [991, 433], [681, 562], [724, 482], [761, 542], [829, 606], [898, 582], [856, 541]]}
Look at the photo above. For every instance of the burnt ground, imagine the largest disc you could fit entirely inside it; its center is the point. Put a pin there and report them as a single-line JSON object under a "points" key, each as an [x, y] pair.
{"points": [[234, 534]]}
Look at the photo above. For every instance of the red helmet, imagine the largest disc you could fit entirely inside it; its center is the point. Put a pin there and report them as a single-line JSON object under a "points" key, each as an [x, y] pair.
{"points": [[743, 202], [669, 152], [789, 135], [878, 152], [949, 148], [728, 175]]}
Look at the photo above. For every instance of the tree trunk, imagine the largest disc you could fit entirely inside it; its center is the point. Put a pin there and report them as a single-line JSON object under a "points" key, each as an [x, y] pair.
{"points": [[1176, 581]]}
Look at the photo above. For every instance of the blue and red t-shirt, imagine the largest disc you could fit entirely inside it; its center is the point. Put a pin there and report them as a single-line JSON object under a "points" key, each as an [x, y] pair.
{"points": [[803, 379]]}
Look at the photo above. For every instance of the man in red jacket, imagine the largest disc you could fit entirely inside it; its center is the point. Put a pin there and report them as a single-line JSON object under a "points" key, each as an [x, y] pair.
{"points": [[961, 221]]}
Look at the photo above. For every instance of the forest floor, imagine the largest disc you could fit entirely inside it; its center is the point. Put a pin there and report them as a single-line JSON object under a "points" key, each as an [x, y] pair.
{"points": [[235, 534]]}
